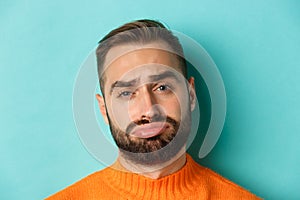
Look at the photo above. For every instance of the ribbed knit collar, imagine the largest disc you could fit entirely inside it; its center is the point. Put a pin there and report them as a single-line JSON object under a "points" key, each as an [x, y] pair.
{"points": [[181, 182]]}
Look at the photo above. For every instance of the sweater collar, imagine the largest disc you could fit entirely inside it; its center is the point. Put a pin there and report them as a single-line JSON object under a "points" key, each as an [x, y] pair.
{"points": [[182, 181]]}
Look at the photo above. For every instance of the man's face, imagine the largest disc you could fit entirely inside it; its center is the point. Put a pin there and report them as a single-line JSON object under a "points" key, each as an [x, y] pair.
{"points": [[147, 103]]}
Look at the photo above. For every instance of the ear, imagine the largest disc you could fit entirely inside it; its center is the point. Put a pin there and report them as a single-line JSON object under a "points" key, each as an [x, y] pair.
{"points": [[101, 104], [192, 92]]}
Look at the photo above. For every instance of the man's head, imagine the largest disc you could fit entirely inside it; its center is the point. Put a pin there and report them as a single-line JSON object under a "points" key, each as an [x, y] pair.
{"points": [[140, 32], [146, 98]]}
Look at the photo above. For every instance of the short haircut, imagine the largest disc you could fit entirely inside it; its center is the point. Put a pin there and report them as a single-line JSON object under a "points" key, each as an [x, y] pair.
{"points": [[140, 32]]}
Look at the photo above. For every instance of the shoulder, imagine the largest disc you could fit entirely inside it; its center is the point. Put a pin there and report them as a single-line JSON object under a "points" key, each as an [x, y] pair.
{"points": [[221, 187], [83, 187]]}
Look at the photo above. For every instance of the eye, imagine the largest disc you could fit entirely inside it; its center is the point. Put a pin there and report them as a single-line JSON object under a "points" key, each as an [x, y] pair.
{"points": [[125, 94], [162, 88]]}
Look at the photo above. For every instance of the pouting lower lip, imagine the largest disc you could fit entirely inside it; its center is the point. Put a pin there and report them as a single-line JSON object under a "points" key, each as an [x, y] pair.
{"points": [[149, 130]]}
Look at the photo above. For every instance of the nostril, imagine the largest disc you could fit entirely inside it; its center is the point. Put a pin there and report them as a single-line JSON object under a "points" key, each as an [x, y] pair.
{"points": [[144, 121]]}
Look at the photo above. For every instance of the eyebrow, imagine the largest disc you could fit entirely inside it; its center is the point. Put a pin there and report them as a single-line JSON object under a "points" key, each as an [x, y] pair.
{"points": [[166, 74], [151, 78], [123, 84]]}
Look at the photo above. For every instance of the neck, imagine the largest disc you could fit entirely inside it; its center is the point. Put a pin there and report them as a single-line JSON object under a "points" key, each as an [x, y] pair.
{"points": [[155, 171]]}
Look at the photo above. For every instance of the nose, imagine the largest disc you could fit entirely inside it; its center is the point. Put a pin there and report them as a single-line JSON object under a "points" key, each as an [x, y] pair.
{"points": [[144, 105]]}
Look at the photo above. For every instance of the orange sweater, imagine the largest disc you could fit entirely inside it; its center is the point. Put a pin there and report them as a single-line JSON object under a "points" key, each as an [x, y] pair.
{"points": [[190, 182]]}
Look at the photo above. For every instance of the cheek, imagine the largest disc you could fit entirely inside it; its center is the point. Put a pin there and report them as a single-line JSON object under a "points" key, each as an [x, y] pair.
{"points": [[172, 108], [118, 114], [178, 105]]}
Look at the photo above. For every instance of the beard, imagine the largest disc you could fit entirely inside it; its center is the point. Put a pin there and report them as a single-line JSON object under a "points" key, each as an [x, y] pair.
{"points": [[153, 150]]}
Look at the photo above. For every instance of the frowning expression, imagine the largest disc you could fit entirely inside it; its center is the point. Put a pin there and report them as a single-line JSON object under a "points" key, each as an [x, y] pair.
{"points": [[146, 98]]}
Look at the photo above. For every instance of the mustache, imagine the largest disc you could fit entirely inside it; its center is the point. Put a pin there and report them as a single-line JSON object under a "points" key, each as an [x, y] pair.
{"points": [[158, 118]]}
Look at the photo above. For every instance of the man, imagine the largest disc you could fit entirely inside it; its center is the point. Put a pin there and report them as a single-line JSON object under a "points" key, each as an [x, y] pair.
{"points": [[147, 102]]}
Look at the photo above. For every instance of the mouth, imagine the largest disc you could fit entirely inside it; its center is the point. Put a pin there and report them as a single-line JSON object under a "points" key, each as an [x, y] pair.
{"points": [[149, 130]]}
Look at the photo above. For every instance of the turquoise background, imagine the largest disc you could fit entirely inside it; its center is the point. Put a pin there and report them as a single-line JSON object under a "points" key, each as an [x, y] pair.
{"points": [[255, 45]]}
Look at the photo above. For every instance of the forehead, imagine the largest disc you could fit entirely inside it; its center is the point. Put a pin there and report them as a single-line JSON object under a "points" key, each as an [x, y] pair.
{"points": [[118, 52], [152, 59]]}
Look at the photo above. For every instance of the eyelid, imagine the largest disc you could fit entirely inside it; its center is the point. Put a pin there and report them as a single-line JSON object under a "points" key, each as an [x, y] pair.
{"points": [[122, 92], [158, 85], [119, 93]]}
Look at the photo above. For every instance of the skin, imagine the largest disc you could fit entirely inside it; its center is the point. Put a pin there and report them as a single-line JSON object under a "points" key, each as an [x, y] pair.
{"points": [[146, 98]]}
